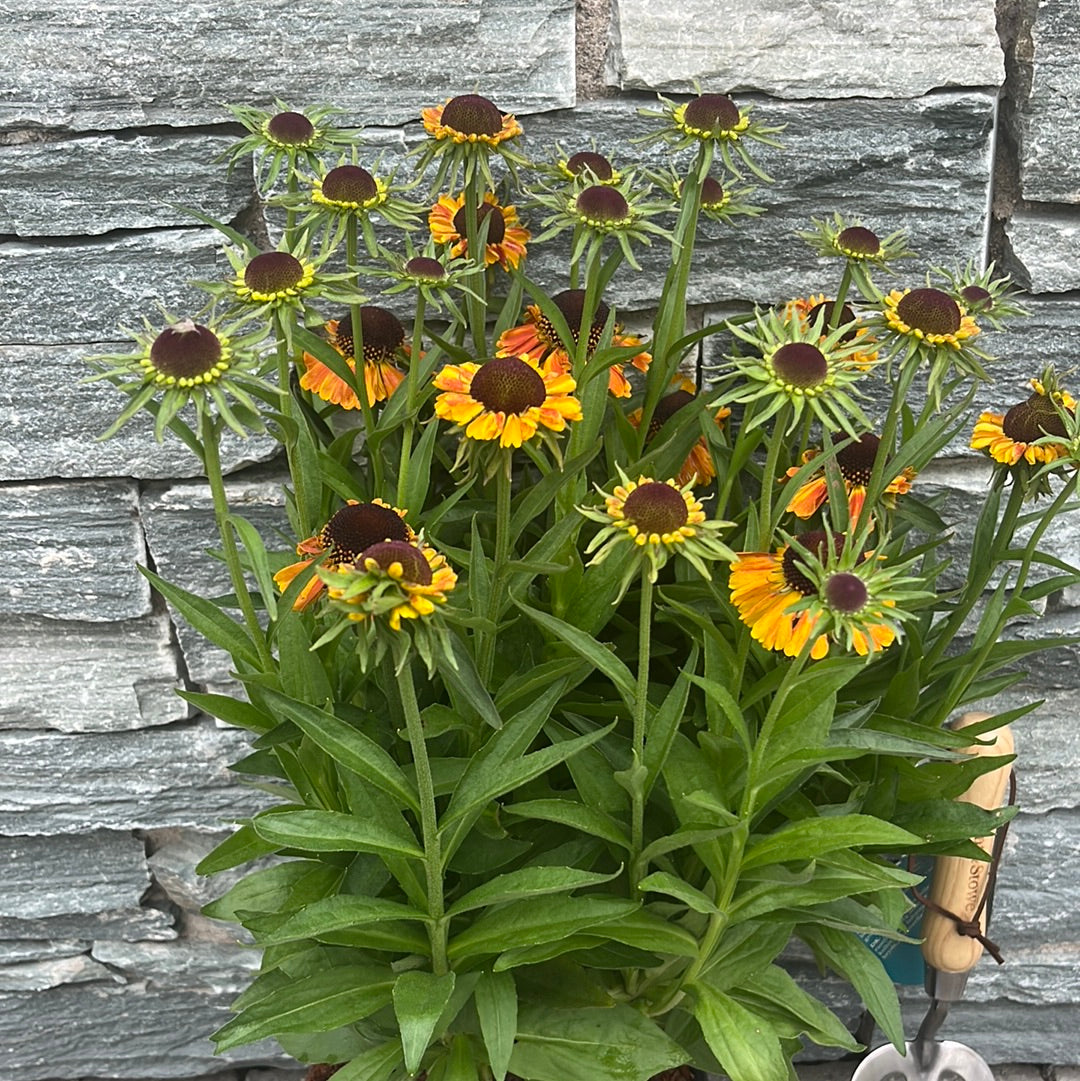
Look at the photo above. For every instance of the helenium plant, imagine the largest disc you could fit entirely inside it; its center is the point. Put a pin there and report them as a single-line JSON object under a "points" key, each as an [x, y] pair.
{"points": [[580, 692]]}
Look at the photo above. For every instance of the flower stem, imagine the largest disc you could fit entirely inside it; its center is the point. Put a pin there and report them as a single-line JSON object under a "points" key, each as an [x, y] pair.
{"points": [[359, 364], [411, 380], [502, 556], [476, 305], [841, 296], [292, 425], [641, 709], [209, 432], [768, 479], [414, 726]]}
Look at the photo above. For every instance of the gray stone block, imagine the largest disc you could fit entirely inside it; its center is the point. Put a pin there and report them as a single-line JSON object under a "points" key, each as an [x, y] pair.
{"points": [[1049, 126], [127, 924], [176, 66], [806, 49], [41, 975], [83, 291], [19, 951], [181, 966], [158, 777], [68, 875], [78, 544], [1045, 248], [100, 677], [179, 524], [921, 165], [93, 185], [173, 862], [57, 435]]}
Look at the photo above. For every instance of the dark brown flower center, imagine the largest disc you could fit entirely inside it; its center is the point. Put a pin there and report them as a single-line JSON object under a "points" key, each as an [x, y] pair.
{"points": [[846, 593], [847, 315], [415, 569], [666, 408], [382, 331], [425, 268], [800, 364], [349, 184], [856, 460], [508, 385], [712, 112], [472, 114], [603, 203], [975, 296], [1033, 419], [489, 212], [357, 527], [929, 310], [571, 302], [597, 164], [273, 272], [655, 507], [858, 240], [185, 350], [816, 542], [290, 129], [712, 193]]}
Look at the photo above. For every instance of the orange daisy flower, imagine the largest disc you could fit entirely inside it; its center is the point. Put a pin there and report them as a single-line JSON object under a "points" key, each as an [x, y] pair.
{"points": [[506, 237], [537, 339], [856, 464], [469, 118], [507, 398], [1018, 434], [807, 309], [699, 467], [351, 531], [383, 342]]}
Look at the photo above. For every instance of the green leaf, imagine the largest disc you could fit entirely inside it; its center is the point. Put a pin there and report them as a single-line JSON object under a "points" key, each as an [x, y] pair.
{"points": [[576, 815], [949, 820], [231, 710], [497, 1007], [209, 620], [529, 923], [391, 936], [463, 677], [664, 725], [589, 649], [419, 999], [335, 914], [744, 1043], [662, 882], [260, 567], [745, 949], [350, 747], [243, 845], [461, 1063], [420, 468], [526, 882], [333, 831], [282, 888], [861, 967], [614, 1044], [812, 837], [376, 1064], [318, 1003], [647, 931]]}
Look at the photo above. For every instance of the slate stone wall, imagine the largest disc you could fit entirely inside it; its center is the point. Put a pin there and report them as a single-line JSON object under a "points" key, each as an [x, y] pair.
{"points": [[949, 120]]}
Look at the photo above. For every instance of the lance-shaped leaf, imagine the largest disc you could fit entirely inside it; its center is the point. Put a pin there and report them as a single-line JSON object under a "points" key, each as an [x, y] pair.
{"points": [[337, 914], [497, 1007], [419, 1000], [332, 831], [744, 1043]]}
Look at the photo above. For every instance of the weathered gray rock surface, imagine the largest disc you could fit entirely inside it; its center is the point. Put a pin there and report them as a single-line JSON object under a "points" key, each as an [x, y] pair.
{"points": [[1046, 248], [77, 545], [101, 677], [806, 49], [98, 183], [177, 66]]}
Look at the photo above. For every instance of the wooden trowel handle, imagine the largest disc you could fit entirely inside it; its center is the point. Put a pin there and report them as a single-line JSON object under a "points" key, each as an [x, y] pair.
{"points": [[959, 884]]}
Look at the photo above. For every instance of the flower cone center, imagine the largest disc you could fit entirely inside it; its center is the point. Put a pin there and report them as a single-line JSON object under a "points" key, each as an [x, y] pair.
{"points": [[800, 364], [816, 542], [846, 593], [571, 302], [357, 527], [656, 507], [847, 315], [858, 240], [602, 203], [426, 268], [273, 272], [976, 296], [472, 114], [185, 350], [666, 408], [597, 164], [929, 310], [414, 567], [712, 193], [712, 112], [496, 228], [1033, 419], [382, 330], [349, 184], [856, 461], [290, 129], [508, 385]]}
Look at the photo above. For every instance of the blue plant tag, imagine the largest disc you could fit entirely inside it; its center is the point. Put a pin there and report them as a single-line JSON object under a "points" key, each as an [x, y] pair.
{"points": [[903, 961]]}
